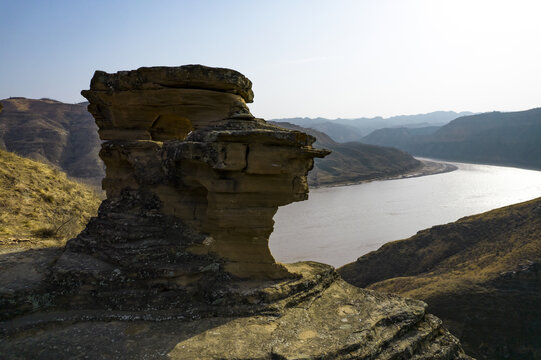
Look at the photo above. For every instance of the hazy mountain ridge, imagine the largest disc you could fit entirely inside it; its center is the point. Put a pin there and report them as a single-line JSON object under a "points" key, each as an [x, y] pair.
{"points": [[345, 130], [512, 138], [65, 136], [52, 132], [353, 161], [480, 274]]}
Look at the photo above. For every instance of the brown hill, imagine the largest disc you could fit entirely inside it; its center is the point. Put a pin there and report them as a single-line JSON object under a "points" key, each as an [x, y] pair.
{"points": [[58, 134], [354, 162], [481, 275]]}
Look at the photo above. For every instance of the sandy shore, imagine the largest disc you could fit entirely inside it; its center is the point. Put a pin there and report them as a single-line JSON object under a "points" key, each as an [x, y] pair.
{"points": [[428, 167]]}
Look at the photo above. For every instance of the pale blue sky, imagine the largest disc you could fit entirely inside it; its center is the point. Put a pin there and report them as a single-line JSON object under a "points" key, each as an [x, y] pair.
{"points": [[306, 58]]}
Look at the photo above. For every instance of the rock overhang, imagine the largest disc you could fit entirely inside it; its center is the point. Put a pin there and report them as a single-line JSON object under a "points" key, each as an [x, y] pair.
{"points": [[185, 136], [186, 77], [165, 103]]}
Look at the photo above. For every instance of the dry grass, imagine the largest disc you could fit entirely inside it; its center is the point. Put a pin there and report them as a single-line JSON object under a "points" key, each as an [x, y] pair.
{"points": [[39, 205], [456, 257]]}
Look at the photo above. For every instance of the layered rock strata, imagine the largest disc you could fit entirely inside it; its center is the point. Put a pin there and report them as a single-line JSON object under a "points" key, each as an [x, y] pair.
{"points": [[336, 321], [193, 181], [177, 261]]}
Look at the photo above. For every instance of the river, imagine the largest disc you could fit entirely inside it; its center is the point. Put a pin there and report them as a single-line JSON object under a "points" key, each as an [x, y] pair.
{"points": [[337, 225]]}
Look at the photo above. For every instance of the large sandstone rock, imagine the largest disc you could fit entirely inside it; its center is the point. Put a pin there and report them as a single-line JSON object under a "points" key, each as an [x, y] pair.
{"points": [[166, 103], [183, 145], [177, 261]]}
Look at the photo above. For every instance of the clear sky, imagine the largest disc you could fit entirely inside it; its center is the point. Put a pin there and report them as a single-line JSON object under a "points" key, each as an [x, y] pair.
{"points": [[308, 58]]}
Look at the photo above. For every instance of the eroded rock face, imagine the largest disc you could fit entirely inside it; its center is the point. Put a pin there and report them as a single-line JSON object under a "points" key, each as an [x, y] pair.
{"points": [[57, 134], [193, 180], [165, 103]]}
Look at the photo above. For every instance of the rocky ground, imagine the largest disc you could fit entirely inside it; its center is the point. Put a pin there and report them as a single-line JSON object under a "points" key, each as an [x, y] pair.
{"points": [[333, 321]]}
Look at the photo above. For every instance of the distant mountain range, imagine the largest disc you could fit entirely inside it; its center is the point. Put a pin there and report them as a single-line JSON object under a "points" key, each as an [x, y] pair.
{"points": [[353, 161], [502, 138], [62, 135], [345, 130], [65, 136]]}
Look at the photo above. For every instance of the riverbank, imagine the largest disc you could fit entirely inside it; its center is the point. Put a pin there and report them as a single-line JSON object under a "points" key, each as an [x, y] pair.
{"points": [[427, 167], [336, 225]]}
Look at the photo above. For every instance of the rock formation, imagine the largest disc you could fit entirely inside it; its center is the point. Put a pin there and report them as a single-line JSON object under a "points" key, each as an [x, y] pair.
{"points": [[182, 142], [193, 181]]}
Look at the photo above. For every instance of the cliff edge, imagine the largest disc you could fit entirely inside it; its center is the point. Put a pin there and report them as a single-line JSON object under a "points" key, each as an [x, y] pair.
{"points": [[480, 274], [177, 264]]}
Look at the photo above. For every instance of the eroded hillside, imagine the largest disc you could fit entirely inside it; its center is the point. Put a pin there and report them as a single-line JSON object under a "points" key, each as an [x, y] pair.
{"points": [[55, 133], [354, 162], [481, 275]]}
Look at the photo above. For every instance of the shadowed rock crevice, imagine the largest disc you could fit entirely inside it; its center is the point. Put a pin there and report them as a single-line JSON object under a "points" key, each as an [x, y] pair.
{"points": [[170, 127]]}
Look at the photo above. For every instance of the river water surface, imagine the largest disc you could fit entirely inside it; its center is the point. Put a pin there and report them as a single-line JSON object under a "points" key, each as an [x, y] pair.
{"points": [[337, 225]]}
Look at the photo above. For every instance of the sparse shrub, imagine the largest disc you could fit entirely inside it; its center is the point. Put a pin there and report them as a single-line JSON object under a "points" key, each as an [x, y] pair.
{"points": [[44, 232], [47, 198]]}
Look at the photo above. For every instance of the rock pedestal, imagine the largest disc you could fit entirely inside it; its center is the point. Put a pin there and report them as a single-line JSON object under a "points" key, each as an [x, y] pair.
{"points": [[193, 181], [177, 261]]}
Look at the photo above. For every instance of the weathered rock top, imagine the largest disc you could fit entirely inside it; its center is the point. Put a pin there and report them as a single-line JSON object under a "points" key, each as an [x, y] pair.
{"points": [[166, 103], [185, 77]]}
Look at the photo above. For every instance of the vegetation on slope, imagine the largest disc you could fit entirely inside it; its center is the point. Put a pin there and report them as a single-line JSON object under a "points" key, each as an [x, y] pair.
{"points": [[39, 205], [62, 135], [481, 275], [354, 162]]}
